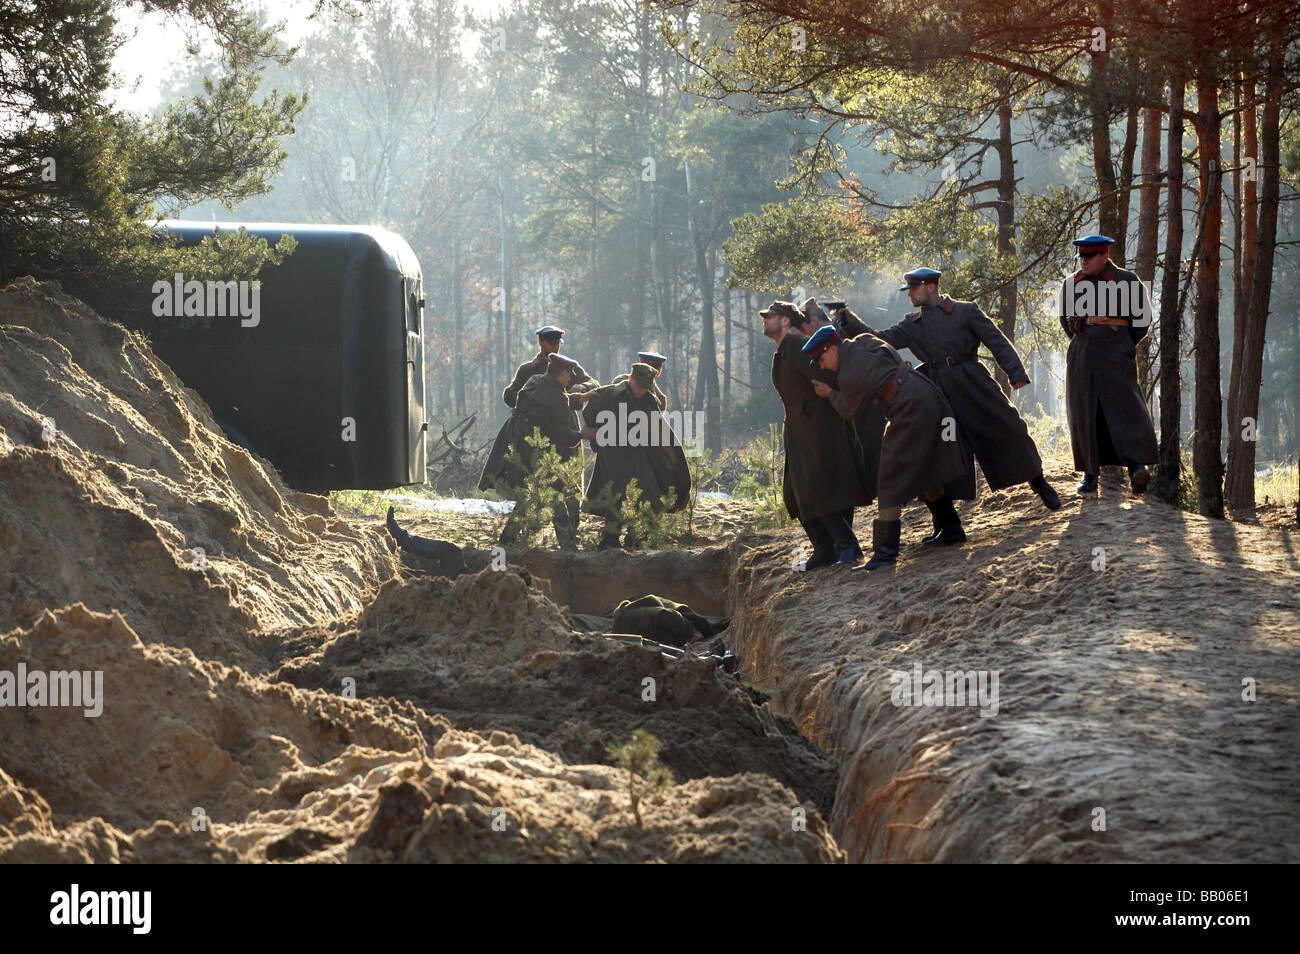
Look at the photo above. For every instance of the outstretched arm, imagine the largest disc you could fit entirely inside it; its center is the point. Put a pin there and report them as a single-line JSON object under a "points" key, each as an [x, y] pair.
{"points": [[1004, 351]]}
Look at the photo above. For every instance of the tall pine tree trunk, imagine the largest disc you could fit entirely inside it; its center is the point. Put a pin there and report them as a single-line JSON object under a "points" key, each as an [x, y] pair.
{"points": [[457, 322], [727, 366], [1099, 107], [1243, 425], [1006, 227], [1168, 473], [1207, 461], [1148, 227]]}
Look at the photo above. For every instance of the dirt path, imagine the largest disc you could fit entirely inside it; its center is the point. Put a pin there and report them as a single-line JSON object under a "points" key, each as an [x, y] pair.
{"points": [[1120, 683]]}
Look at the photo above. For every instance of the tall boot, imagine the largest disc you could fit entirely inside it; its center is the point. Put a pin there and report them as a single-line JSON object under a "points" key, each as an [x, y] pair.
{"points": [[947, 523], [847, 551], [398, 534], [884, 544], [823, 544]]}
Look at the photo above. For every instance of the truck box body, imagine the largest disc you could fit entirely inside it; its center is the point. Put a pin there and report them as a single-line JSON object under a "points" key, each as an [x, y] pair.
{"points": [[336, 352]]}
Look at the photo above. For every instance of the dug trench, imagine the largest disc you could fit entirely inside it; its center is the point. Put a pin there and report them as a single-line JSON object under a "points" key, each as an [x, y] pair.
{"points": [[1124, 635]]}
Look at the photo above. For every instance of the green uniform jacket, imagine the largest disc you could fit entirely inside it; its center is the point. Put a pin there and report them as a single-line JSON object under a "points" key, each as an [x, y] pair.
{"points": [[542, 404], [658, 462], [537, 365]]}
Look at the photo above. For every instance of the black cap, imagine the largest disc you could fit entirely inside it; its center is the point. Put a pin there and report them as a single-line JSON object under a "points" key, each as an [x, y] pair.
{"points": [[786, 309]]}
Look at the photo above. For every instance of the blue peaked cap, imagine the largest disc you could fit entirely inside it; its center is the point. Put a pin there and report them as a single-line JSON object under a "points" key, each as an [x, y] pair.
{"points": [[822, 338], [921, 275]]}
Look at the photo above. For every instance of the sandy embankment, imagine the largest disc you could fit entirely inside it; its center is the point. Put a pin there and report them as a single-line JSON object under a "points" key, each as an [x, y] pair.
{"points": [[1120, 688], [478, 713]]}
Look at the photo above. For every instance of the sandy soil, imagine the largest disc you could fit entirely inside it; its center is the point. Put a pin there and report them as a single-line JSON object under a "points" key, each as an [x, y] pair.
{"points": [[298, 697], [1121, 684]]}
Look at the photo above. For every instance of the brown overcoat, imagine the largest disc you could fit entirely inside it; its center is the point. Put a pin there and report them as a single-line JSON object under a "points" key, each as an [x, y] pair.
{"points": [[1108, 416], [914, 457], [658, 464], [823, 473], [541, 404], [947, 337]]}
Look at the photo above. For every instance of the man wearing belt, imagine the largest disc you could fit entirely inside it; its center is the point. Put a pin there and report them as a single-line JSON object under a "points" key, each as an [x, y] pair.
{"points": [[915, 460], [946, 335], [1106, 311]]}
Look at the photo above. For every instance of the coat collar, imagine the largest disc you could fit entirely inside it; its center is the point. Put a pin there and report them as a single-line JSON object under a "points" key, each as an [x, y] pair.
{"points": [[946, 303]]}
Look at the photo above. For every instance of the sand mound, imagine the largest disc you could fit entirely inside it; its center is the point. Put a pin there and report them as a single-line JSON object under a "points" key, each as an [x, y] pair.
{"points": [[1122, 630], [111, 472], [288, 699], [283, 774]]}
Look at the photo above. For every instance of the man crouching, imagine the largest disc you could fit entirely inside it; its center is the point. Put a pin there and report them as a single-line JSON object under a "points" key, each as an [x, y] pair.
{"points": [[915, 460]]}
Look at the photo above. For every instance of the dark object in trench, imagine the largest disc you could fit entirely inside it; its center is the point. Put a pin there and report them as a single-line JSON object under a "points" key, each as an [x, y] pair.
{"points": [[447, 555], [664, 621], [716, 650]]}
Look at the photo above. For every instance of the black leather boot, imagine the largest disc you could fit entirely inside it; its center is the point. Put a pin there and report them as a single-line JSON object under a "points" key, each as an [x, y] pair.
{"points": [[1138, 478], [1051, 499], [823, 543], [884, 544], [821, 556], [1088, 485], [848, 555], [946, 521], [398, 534], [840, 528]]}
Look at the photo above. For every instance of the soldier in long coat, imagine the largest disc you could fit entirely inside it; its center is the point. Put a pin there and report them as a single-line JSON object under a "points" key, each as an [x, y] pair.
{"points": [[822, 481], [543, 405], [869, 426], [632, 440], [548, 343], [915, 459], [946, 334], [1105, 310]]}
